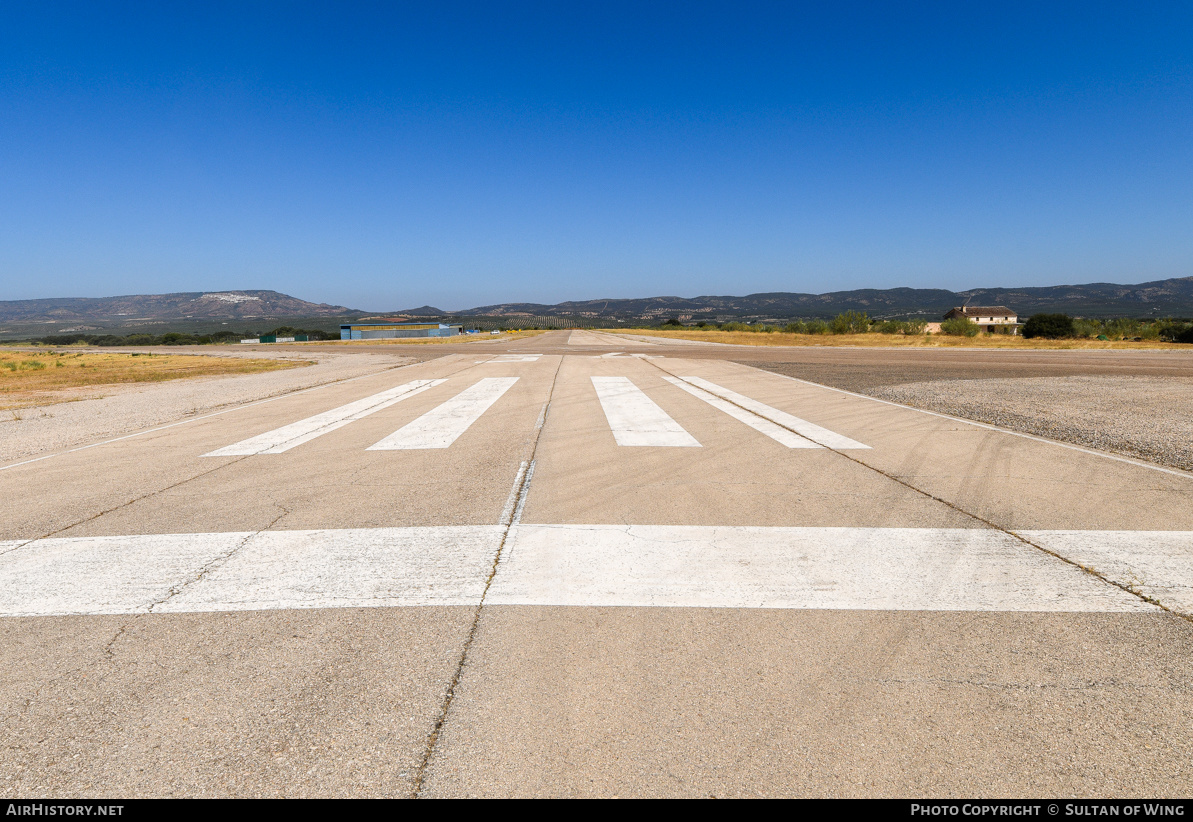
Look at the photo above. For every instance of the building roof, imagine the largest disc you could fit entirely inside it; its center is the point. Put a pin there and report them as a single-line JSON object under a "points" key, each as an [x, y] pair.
{"points": [[987, 311]]}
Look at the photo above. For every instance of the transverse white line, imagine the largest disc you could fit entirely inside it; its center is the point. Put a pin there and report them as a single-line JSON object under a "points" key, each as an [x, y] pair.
{"points": [[283, 439], [634, 417], [829, 439], [761, 424], [592, 565], [441, 426]]}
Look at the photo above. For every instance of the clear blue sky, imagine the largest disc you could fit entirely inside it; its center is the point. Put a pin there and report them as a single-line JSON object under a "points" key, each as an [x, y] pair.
{"points": [[385, 156]]}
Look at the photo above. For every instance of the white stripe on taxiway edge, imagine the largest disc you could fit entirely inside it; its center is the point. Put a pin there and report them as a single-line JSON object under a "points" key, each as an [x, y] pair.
{"points": [[441, 426], [590, 565], [823, 436], [634, 417], [761, 424], [282, 439]]}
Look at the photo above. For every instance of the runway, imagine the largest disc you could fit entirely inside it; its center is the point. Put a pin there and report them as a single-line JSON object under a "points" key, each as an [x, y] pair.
{"points": [[581, 565]]}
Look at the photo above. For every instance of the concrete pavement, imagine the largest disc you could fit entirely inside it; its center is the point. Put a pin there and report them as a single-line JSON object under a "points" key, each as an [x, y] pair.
{"points": [[565, 566]]}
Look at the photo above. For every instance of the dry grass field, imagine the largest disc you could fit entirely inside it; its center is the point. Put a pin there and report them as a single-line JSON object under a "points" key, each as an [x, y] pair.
{"points": [[875, 340], [30, 378]]}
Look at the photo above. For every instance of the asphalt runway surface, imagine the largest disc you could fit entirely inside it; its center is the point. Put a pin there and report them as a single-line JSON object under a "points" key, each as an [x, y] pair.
{"points": [[581, 565]]}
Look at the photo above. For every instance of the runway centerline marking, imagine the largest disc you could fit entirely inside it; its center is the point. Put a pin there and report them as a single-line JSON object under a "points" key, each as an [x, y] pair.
{"points": [[760, 424], [282, 439], [443, 425], [822, 436], [676, 566], [635, 419]]}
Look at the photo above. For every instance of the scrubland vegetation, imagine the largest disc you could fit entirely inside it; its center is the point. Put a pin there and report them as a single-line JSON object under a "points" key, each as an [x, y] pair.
{"points": [[856, 328], [179, 338]]}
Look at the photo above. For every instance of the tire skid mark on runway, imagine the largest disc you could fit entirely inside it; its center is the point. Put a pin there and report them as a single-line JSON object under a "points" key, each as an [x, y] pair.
{"points": [[1176, 472], [1129, 585], [815, 433], [758, 423]]}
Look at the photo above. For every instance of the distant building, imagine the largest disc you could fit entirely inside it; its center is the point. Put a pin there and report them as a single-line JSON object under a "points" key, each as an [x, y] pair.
{"points": [[991, 317], [383, 330]]}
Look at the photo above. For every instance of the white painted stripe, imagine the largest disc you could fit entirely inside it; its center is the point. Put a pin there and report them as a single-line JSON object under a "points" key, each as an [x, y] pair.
{"points": [[104, 575], [348, 569], [1176, 472], [283, 396], [588, 565], [1158, 564], [634, 417], [500, 358], [823, 436], [283, 439], [761, 424], [441, 426], [507, 510], [837, 568]]}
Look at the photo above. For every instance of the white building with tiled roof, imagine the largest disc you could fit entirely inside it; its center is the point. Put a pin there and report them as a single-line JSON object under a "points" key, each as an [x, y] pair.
{"points": [[990, 317]]}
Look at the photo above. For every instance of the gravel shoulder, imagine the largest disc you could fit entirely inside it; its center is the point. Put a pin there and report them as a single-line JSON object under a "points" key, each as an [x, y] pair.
{"points": [[1134, 403], [1150, 418], [101, 412]]}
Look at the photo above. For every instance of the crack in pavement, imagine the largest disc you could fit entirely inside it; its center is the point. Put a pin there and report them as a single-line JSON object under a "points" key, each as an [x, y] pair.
{"points": [[522, 486], [216, 562], [977, 517], [181, 482]]}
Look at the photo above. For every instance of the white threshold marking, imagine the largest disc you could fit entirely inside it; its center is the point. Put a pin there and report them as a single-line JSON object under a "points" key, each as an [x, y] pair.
{"points": [[1176, 472], [584, 565], [634, 417], [760, 424], [282, 439], [822, 436], [123, 437], [511, 358], [443, 425]]}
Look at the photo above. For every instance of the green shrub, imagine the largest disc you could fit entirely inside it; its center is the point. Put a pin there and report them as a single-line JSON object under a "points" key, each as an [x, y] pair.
{"points": [[851, 322], [915, 326], [734, 326], [1048, 326], [1086, 328], [959, 327], [816, 327], [796, 327], [1122, 328], [1185, 336]]}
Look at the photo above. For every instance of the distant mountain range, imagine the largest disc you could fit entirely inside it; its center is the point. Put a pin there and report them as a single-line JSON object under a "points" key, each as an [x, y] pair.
{"points": [[1162, 298], [1156, 299], [193, 305]]}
